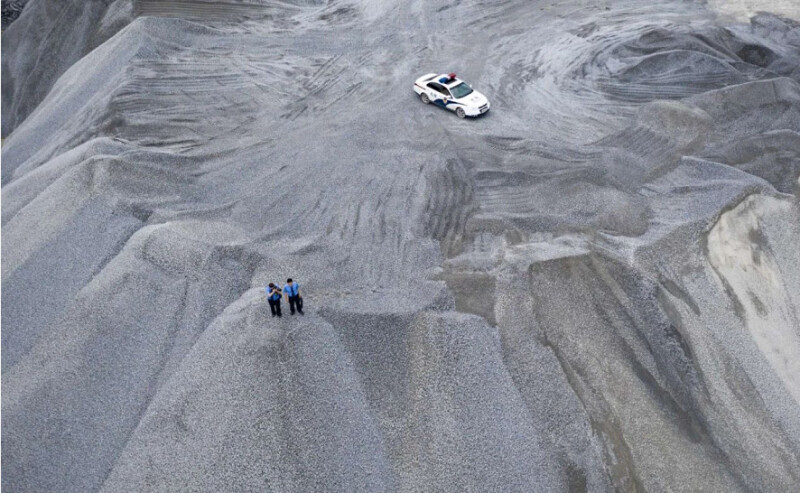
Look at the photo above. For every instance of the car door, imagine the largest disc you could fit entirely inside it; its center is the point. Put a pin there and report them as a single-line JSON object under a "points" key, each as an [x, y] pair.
{"points": [[437, 93], [447, 97]]}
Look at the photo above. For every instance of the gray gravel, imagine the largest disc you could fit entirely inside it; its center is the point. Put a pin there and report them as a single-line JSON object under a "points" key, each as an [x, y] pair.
{"points": [[11, 10], [594, 287]]}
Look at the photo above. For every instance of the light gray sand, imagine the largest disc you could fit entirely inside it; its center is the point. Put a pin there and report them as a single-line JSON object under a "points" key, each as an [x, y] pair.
{"points": [[594, 287]]}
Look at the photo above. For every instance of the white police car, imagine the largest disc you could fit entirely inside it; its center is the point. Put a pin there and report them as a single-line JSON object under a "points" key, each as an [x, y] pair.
{"points": [[452, 93]]}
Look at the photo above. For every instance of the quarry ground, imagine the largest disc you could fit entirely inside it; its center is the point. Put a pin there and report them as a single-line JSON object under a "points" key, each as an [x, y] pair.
{"points": [[594, 287]]}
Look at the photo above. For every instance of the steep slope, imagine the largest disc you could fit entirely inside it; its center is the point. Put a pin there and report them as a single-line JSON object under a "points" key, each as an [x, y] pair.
{"points": [[11, 10], [47, 39]]}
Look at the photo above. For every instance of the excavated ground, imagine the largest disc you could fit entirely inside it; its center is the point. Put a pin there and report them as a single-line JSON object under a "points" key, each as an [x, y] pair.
{"points": [[595, 287]]}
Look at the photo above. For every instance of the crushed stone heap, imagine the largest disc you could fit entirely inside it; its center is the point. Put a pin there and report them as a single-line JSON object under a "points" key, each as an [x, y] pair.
{"points": [[594, 287]]}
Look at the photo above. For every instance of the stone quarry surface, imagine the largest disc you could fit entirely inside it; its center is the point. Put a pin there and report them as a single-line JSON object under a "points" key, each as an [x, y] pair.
{"points": [[594, 287]]}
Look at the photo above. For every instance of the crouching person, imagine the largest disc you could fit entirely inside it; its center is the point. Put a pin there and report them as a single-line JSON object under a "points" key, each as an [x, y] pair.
{"points": [[274, 298], [292, 292]]}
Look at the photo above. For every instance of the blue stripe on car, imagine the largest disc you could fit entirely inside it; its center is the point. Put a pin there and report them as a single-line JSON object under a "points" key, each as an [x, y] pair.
{"points": [[440, 102]]}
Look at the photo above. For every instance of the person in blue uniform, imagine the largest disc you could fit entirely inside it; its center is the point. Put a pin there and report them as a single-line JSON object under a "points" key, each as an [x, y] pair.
{"points": [[292, 292], [274, 298]]}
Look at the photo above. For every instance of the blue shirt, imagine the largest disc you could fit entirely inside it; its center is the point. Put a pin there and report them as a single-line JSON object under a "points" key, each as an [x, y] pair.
{"points": [[275, 295], [291, 290]]}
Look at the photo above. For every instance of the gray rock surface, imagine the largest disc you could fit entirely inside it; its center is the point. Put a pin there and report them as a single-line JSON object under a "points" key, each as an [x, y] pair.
{"points": [[11, 10], [595, 287]]}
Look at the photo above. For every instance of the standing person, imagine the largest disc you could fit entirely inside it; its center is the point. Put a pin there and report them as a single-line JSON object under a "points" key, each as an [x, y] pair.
{"points": [[292, 292], [274, 298]]}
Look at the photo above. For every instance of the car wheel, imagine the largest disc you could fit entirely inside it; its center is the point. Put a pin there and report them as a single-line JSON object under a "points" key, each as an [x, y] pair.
{"points": [[460, 112], [424, 97]]}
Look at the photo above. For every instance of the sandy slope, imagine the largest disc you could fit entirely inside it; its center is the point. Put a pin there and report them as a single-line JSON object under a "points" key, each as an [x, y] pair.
{"points": [[592, 288]]}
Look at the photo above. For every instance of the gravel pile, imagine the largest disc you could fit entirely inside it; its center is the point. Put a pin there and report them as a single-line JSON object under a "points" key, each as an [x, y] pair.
{"points": [[594, 287]]}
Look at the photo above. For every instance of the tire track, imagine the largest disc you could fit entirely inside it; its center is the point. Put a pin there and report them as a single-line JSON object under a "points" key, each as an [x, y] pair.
{"points": [[206, 10]]}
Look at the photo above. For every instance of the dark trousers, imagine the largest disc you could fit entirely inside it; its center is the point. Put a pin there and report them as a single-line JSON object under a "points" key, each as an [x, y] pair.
{"points": [[275, 306], [296, 302]]}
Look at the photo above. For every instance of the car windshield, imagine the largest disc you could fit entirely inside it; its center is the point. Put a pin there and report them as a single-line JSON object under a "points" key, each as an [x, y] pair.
{"points": [[461, 90]]}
